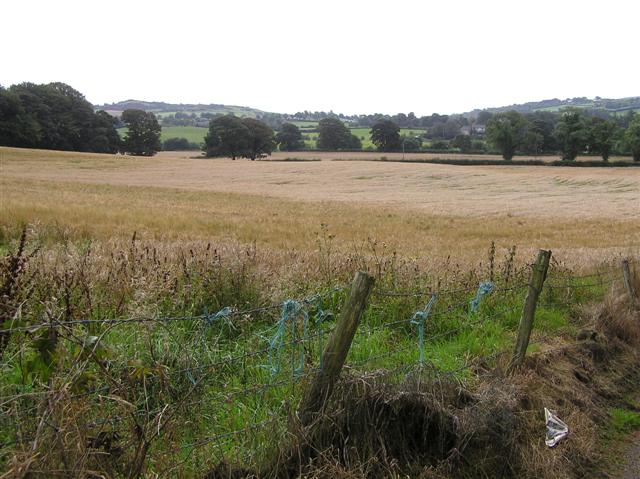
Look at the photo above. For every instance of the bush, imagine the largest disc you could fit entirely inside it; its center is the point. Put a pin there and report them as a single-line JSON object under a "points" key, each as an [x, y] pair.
{"points": [[179, 144]]}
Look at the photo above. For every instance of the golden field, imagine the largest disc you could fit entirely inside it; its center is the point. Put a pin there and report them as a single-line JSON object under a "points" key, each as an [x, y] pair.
{"points": [[425, 210]]}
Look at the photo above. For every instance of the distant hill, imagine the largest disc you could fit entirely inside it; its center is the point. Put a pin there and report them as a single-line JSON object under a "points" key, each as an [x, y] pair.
{"points": [[604, 104], [160, 108], [597, 104]]}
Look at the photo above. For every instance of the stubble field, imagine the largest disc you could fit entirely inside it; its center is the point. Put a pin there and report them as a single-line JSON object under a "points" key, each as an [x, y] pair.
{"points": [[416, 209]]}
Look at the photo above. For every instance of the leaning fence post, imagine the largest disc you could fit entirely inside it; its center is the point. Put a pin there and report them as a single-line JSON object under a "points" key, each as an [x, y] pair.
{"points": [[335, 352], [538, 275], [628, 283]]}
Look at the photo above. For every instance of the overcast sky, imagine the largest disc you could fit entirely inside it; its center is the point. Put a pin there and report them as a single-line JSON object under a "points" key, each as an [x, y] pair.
{"points": [[348, 56]]}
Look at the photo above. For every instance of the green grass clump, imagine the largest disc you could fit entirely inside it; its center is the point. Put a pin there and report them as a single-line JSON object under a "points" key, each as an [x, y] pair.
{"points": [[623, 421]]}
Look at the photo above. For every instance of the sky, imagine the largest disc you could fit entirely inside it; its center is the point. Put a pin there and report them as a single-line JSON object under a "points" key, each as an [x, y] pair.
{"points": [[349, 56]]}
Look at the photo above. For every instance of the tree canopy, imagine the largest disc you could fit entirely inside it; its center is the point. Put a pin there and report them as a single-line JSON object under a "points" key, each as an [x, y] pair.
{"points": [[289, 138], [143, 133], [227, 136], [507, 132], [261, 140], [334, 135], [632, 137], [572, 133], [232, 136], [55, 117], [385, 134], [602, 134]]}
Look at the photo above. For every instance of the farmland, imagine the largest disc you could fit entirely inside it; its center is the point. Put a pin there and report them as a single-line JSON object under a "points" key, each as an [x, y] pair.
{"points": [[415, 208], [192, 133], [196, 134], [208, 288]]}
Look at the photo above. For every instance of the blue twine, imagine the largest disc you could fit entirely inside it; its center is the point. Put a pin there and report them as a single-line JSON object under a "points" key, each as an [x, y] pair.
{"points": [[290, 310], [483, 290], [222, 314], [419, 319]]}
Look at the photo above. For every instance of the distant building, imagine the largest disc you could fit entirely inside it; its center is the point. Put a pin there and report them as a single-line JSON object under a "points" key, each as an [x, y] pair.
{"points": [[473, 130], [479, 129]]}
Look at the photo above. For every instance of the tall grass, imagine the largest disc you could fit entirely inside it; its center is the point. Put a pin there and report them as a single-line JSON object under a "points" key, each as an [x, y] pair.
{"points": [[180, 388]]}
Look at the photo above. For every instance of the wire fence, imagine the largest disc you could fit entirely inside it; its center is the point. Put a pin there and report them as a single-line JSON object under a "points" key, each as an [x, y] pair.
{"points": [[198, 387]]}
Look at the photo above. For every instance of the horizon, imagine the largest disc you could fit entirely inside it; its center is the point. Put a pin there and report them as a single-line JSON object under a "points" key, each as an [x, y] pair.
{"points": [[355, 58], [595, 98]]}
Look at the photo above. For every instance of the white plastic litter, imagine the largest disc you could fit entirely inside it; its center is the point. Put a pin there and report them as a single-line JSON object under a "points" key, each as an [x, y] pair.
{"points": [[557, 430]]}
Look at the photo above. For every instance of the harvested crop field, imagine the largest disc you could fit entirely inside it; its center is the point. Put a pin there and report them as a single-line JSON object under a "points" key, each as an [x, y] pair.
{"points": [[418, 208]]}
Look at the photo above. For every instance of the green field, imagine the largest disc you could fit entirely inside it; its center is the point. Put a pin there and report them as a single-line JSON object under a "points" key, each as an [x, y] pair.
{"points": [[194, 134], [364, 134]]}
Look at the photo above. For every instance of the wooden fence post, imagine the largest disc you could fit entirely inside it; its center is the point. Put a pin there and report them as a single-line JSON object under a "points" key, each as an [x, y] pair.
{"points": [[628, 283], [538, 275], [335, 352]]}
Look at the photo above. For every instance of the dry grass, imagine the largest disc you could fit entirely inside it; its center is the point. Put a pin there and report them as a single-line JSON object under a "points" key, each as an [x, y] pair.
{"points": [[419, 209]]}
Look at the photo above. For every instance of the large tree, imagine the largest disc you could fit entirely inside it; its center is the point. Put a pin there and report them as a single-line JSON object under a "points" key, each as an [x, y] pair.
{"points": [[507, 132], [227, 136], [261, 139], [632, 137], [334, 135], [385, 134], [289, 138], [572, 133], [602, 134], [143, 133]]}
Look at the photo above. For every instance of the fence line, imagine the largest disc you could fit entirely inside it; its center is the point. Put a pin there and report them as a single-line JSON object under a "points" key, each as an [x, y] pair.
{"points": [[245, 393]]}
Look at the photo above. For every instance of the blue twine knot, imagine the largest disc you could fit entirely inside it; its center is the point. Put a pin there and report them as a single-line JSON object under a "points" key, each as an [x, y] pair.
{"points": [[419, 318], [222, 314], [290, 310], [483, 290]]}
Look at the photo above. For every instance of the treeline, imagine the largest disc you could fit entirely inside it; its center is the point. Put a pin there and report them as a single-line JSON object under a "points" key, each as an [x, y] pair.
{"points": [[570, 133], [55, 116]]}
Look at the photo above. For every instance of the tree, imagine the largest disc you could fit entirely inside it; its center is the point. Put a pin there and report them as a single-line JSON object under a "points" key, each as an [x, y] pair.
{"points": [[385, 135], [601, 137], [261, 140], [462, 142], [411, 143], [143, 133], [572, 133], [632, 137], [353, 142], [543, 124], [289, 138], [483, 117], [507, 131], [104, 138], [334, 135], [17, 128], [227, 136]]}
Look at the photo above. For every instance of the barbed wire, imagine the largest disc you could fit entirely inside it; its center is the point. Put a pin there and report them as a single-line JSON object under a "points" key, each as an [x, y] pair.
{"points": [[145, 319]]}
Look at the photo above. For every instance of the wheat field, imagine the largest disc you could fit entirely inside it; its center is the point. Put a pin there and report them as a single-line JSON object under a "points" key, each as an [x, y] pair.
{"points": [[415, 209]]}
